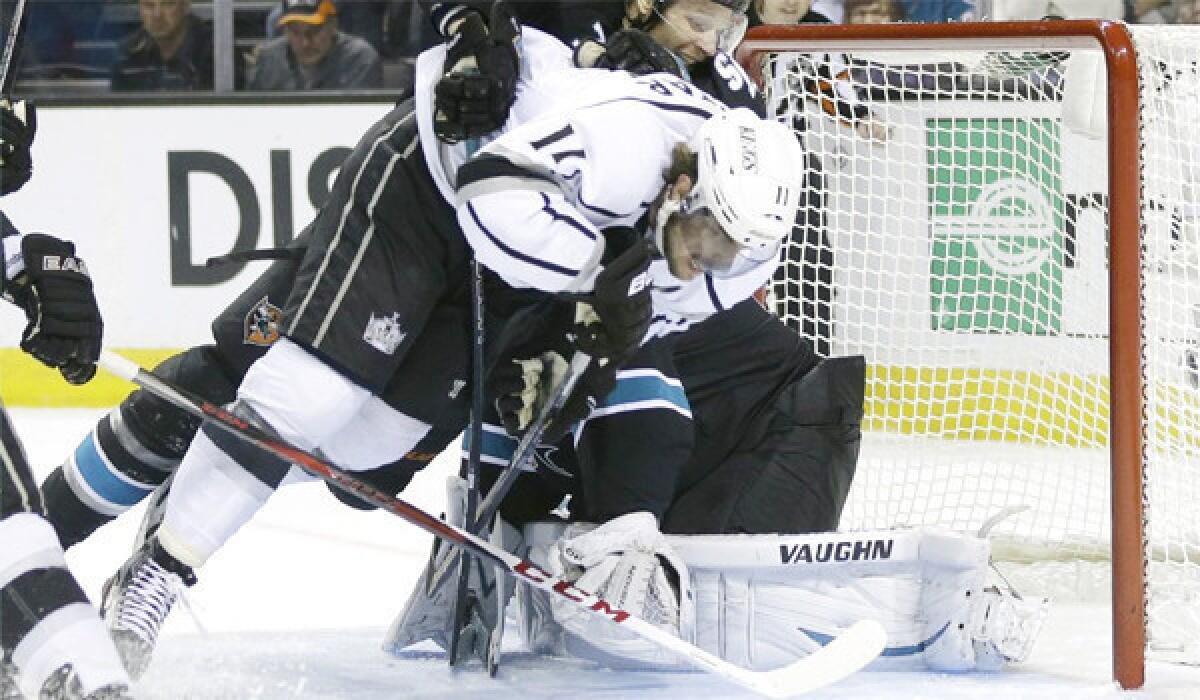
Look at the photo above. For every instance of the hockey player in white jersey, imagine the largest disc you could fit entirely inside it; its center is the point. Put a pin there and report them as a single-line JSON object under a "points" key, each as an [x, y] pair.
{"points": [[368, 291]]}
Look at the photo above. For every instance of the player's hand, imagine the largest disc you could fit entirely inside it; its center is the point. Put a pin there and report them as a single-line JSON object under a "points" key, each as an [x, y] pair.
{"points": [[612, 323], [18, 123], [523, 386], [479, 81], [634, 51], [65, 329]]}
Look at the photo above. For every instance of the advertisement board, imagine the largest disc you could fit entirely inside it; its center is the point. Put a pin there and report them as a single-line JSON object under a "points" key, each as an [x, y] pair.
{"points": [[148, 194]]}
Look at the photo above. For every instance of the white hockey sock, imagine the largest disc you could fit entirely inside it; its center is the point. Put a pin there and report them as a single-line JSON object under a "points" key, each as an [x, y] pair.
{"points": [[211, 498]]}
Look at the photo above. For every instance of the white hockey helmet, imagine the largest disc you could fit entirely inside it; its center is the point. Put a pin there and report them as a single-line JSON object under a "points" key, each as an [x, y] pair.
{"points": [[751, 172]]}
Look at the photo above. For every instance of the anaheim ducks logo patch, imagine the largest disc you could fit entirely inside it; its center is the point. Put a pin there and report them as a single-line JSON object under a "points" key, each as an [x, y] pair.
{"points": [[261, 326]]}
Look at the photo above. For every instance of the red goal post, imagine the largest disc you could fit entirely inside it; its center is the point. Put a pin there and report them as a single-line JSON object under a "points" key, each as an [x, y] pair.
{"points": [[1126, 409]]}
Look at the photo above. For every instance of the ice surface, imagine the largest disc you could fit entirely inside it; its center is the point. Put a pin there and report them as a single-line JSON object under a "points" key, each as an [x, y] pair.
{"points": [[295, 606]]}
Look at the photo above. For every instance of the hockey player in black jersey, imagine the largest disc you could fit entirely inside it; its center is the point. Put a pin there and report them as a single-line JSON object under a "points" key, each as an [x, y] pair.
{"points": [[52, 643]]}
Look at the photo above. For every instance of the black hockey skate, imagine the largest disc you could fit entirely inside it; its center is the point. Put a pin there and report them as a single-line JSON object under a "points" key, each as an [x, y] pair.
{"points": [[64, 684], [137, 600]]}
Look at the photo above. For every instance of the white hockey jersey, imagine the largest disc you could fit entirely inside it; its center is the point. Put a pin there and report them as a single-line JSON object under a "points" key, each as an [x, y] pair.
{"points": [[583, 150]]}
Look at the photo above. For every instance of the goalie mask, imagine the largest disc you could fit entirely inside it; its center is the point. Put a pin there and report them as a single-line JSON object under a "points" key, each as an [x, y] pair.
{"points": [[750, 172]]}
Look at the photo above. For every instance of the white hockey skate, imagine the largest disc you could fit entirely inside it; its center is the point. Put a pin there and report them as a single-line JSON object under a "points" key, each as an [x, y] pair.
{"points": [[137, 600]]}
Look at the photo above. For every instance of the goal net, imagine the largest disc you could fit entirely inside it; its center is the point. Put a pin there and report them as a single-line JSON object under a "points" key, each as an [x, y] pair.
{"points": [[1015, 249]]}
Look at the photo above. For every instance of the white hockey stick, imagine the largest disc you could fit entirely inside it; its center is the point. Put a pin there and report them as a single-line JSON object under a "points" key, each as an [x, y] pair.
{"points": [[846, 654]]}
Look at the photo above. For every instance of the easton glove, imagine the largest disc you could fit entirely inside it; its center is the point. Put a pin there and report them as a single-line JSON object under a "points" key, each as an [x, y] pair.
{"points": [[479, 83], [64, 328], [18, 123], [612, 323]]}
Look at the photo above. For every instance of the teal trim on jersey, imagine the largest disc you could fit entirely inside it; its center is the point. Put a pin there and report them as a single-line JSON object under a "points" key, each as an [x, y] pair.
{"points": [[495, 445], [633, 390]]}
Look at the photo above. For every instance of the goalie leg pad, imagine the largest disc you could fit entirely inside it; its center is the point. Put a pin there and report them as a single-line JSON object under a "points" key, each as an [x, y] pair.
{"points": [[762, 601], [928, 589]]}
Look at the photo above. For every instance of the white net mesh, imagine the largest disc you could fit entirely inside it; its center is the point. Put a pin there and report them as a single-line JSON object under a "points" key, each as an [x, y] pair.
{"points": [[961, 245]]}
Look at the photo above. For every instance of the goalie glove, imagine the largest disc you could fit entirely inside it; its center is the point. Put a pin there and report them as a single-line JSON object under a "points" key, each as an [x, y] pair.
{"points": [[479, 82], [629, 563], [65, 329], [630, 50], [18, 123]]}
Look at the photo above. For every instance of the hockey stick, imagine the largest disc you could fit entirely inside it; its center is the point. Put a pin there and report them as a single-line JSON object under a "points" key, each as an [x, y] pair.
{"points": [[479, 520], [16, 31], [12, 47], [846, 654], [475, 438]]}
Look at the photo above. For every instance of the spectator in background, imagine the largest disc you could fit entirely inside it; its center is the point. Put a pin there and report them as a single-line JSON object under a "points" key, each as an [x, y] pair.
{"points": [[172, 50], [873, 11], [833, 9], [783, 12], [313, 54]]}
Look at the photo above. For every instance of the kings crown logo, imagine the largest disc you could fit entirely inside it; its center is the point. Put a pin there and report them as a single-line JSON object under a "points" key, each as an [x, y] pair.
{"points": [[384, 333]]}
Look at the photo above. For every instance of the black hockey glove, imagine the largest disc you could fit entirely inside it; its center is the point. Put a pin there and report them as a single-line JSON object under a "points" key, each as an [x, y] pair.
{"points": [[64, 328], [18, 123], [523, 386], [479, 83], [634, 51], [612, 322]]}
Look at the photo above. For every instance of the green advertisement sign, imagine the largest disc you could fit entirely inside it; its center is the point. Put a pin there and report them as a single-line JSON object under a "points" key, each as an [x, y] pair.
{"points": [[995, 225]]}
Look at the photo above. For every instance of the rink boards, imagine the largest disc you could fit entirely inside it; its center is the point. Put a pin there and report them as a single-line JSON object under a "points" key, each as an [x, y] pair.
{"points": [[148, 193]]}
